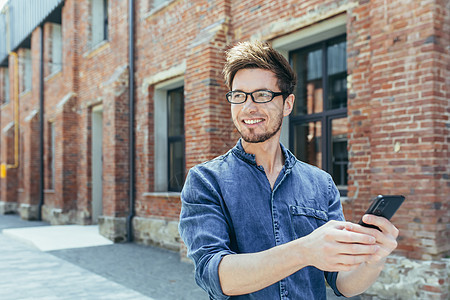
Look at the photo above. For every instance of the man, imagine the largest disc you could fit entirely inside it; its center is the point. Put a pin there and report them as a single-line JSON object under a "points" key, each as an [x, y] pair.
{"points": [[258, 223]]}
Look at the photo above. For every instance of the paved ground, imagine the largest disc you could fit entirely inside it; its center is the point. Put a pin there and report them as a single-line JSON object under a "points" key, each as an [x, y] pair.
{"points": [[34, 266], [116, 271]]}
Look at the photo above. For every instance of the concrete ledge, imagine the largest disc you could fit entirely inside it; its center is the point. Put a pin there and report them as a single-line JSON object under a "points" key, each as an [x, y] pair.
{"points": [[114, 229], [29, 212], [8, 207], [156, 232], [56, 216]]}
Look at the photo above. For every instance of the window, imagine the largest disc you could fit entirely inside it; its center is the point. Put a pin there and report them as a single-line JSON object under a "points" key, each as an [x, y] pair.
{"points": [[4, 86], [51, 156], [175, 139], [318, 124], [56, 57], [26, 71], [155, 4], [99, 18], [169, 153]]}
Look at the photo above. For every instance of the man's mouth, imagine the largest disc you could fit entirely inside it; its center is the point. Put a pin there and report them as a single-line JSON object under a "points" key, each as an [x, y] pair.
{"points": [[252, 121]]}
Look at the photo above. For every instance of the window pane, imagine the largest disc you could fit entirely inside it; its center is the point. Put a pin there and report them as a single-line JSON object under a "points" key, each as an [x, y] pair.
{"points": [[5, 85], [175, 136], [308, 143], [337, 75], [339, 152], [157, 3], [176, 165], [309, 91], [98, 17], [176, 112], [27, 71], [105, 19], [56, 48]]}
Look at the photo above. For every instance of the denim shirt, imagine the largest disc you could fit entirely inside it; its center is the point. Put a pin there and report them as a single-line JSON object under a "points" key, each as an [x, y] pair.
{"points": [[228, 207]]}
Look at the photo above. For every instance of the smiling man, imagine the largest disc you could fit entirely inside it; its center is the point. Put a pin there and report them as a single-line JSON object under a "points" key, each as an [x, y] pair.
{"points": [[258, 223]]}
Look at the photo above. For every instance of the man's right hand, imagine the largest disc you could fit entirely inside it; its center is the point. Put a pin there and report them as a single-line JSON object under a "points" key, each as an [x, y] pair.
{"points": [[334, 247]]}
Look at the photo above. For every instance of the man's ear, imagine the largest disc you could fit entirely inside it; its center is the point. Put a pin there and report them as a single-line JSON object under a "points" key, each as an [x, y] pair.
{"points": [[288, 105]]}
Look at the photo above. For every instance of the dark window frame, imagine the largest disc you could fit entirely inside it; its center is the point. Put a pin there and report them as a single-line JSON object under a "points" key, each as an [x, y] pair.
{"points": [[105, 21], [5, 96], [327, 115], [172, 139]]}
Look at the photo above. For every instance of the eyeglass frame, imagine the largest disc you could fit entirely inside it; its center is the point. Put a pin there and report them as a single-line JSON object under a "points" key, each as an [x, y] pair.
{"points": [[274, 94]]}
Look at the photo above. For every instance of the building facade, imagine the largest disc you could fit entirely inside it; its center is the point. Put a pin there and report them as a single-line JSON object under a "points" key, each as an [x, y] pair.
{"points": [[372, 109]]}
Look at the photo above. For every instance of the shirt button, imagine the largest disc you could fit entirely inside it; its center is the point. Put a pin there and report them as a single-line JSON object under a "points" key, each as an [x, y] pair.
{"points": [[286, 293]]}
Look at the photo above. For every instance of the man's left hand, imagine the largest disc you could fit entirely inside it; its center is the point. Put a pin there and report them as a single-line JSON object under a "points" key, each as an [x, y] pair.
{"points": [[386, 239]]}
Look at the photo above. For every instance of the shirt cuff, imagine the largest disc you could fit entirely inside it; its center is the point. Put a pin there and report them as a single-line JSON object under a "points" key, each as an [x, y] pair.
{"points": [[331, 279], [214, 288]]}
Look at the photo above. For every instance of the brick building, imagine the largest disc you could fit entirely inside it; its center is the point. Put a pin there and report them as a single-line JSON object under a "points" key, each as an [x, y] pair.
{"points": [[372, 109]]}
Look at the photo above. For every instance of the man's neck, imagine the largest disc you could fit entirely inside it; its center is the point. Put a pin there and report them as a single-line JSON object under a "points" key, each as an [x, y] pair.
{"points": [[267, 154]]}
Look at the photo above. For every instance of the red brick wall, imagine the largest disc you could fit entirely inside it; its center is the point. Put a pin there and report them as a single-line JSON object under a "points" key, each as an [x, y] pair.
{"points": [[195, 35], [398, 109]]}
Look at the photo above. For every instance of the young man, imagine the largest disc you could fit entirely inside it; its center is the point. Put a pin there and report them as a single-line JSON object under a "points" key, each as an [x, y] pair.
{"points": [[258, 223]]}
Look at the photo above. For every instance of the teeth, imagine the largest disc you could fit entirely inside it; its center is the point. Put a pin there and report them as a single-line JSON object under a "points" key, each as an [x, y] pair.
{"points": [[252, 121]]}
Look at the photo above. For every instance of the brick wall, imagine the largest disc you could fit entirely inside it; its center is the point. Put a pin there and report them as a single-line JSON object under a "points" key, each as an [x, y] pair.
{"points": [[397, 112]]}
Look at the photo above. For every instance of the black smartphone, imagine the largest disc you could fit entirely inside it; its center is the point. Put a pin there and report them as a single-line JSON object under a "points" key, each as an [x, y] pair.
{"points": [[384, 206]]}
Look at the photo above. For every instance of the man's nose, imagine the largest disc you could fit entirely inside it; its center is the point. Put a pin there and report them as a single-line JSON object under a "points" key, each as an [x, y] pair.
{"points": [[249, 104]]}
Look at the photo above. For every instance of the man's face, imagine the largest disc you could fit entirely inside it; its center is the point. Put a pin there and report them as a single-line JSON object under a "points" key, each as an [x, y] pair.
{"points": [[259, 122]]}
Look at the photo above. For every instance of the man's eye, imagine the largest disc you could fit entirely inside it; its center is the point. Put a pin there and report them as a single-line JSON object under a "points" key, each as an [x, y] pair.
{"points": [[238, 96], [263, 95]]}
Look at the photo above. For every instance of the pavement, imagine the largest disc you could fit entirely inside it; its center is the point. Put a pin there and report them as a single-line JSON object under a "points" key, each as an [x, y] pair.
{"points": [[39, 261]]}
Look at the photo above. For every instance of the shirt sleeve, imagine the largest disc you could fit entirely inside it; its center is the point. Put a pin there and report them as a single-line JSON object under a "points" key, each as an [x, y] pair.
{"points": [[334, 213], [204, 229]]}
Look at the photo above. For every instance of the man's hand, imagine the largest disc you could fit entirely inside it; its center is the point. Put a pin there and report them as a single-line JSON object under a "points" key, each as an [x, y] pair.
{"points": [[385, 240], [358, 280], [343, 246]]}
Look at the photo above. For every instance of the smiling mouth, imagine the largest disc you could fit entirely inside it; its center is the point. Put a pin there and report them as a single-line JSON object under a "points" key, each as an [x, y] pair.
{"points": [[252, 121]]}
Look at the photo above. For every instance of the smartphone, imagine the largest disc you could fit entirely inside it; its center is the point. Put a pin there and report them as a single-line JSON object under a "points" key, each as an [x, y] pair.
{"points": [[384, 206]]}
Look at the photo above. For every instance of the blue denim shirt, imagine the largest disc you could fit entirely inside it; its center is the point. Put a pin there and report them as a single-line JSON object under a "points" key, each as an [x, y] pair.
{"points": [[228, 206]]}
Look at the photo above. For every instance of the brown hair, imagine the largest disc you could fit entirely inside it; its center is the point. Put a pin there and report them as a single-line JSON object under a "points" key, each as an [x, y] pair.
{"points": [[259, 55]]}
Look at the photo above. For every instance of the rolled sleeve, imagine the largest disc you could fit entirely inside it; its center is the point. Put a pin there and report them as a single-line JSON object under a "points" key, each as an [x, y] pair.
{"points": [[331, 279], [205, 230]]}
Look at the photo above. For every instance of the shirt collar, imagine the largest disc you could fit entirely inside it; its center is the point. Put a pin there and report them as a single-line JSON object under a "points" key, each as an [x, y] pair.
{"points": [[239, 151]]}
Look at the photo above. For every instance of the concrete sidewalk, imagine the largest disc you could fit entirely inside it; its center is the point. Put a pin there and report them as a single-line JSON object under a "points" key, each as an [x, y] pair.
{"points": [[51, 238], [38, 261]]}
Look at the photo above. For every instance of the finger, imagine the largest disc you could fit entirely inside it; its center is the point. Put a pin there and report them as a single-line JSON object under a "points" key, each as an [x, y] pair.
{"points": [[338, 224], [344, 267], [380, 236], [384, 224], [355, 259], [379, 257], [357, 249], [350, 235], [366, 230]]}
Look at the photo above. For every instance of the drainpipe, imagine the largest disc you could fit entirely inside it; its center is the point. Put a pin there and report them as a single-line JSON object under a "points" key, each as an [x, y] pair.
{"points": [[41, 126], [131, 119]]}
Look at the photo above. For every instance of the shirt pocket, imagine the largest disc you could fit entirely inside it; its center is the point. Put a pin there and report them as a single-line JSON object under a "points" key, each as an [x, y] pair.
{"points": [[305, 220]]}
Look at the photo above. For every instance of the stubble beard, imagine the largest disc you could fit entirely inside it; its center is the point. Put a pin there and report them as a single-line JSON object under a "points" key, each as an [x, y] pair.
{"points": [[259, 138]]}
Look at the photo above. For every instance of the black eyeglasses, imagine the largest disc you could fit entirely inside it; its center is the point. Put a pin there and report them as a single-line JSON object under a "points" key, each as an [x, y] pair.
{"points": [[259, 96]]}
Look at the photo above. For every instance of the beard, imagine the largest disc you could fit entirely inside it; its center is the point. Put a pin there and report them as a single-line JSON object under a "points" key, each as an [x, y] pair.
{"points": [[252, 137]]}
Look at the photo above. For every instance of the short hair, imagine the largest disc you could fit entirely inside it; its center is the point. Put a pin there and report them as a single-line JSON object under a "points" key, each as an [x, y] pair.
{"points": [[259, 55]]}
